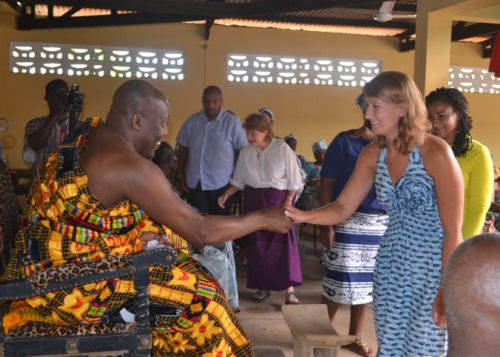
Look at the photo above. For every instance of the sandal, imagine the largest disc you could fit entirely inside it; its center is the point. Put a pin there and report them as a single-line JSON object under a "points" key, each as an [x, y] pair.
{"points": [[291, 299], [261, 295], [360, 347]]}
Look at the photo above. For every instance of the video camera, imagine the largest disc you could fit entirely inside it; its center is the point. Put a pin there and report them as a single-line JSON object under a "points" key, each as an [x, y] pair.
{"points": [[75, 99]]}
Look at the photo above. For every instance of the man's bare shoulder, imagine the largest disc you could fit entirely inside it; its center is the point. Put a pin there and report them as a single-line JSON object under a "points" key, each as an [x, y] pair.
{"points": [[112, 166]]}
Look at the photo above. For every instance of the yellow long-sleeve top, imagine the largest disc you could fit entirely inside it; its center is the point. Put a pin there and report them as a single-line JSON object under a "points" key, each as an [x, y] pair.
{"points": [[477, 170]]}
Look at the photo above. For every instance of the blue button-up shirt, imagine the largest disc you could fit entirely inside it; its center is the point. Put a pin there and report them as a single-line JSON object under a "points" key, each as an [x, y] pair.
{"points": [[212, 148]]}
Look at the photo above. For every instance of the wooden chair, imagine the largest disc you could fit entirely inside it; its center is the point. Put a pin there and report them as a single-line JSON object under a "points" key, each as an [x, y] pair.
{"points": [[111, 339], [311, 328]]}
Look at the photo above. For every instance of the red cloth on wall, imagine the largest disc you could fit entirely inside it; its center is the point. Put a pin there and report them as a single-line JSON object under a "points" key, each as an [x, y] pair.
{"points": [[495, 57]]}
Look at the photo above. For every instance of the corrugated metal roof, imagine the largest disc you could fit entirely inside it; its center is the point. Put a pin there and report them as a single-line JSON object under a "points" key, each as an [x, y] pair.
{"points": [[353, 30], [347, 18]]}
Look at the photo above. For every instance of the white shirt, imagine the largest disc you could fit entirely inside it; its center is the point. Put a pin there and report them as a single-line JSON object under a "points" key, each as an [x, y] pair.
{"points": [[276, 166]]}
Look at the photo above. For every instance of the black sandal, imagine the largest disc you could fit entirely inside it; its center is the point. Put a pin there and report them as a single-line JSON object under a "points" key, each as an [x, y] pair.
{"points": [[261, 295], [291, 299]]}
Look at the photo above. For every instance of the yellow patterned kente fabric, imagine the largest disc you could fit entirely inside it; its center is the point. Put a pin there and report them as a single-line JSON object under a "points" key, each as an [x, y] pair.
{"points": [[63, 223]]}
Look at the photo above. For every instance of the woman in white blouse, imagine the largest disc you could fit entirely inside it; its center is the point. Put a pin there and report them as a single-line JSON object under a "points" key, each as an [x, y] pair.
{"points": [[268, 172]]}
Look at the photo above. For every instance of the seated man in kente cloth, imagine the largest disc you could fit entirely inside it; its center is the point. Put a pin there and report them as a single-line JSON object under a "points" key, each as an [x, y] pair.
{"points": [[107, 197]]}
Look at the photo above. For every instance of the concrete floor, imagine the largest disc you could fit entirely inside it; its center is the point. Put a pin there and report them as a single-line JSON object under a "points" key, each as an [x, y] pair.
{"points": [[264, 322]]}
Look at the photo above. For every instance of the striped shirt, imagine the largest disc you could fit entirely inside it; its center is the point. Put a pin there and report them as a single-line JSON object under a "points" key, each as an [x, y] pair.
{"points": [[57, 136]]}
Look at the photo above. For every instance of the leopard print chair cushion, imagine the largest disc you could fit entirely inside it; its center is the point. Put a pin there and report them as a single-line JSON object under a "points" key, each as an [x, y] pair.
{"points": [[34, 329], [44, 278]]}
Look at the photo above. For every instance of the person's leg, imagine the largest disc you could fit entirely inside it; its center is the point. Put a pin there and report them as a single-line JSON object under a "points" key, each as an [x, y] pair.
{"points": [[291, 298], [331, 305], [358, 313], [360, 347], [261, 295], [198, 198]]}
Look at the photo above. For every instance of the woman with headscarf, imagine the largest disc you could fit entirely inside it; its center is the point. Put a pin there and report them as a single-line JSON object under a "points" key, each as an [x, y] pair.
{"points": [[309, 197]]}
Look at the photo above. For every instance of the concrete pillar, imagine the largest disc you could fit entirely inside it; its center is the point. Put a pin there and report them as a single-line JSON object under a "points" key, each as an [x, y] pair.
{"points": [[433, 31]]}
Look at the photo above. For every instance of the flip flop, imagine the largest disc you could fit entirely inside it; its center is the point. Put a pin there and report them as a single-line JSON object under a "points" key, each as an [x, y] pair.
{"points": [[360, 347]]}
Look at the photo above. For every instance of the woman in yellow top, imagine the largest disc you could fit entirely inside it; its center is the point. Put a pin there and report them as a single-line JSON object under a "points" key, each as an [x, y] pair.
{"points": [[448, 113]]}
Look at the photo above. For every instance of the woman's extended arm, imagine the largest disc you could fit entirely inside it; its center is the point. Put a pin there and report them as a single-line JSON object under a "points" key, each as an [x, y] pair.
{"points": [[356, 189]]}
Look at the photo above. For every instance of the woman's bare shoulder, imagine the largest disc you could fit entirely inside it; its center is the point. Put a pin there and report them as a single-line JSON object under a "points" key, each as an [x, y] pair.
{"points": [[434, 146], [436, 153], [371, 150], [369, 155]]}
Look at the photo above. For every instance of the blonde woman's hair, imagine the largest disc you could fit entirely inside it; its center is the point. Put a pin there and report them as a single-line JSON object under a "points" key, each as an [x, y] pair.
{"points": [[259, 122], [398, 88]]}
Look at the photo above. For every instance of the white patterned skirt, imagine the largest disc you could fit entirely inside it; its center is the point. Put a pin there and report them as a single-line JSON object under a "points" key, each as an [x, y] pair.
{"points": [[350, 261]]}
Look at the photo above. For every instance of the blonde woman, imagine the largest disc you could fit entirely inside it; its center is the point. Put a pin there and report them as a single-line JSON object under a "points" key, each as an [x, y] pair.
{"points": [[418, 180]]}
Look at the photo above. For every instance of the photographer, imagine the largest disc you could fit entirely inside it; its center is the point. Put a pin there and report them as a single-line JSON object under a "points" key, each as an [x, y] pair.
{"points": [[42, 135]]}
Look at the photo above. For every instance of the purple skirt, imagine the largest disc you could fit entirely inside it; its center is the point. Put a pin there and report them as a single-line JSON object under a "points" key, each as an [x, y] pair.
{"points": [[273, 258]]}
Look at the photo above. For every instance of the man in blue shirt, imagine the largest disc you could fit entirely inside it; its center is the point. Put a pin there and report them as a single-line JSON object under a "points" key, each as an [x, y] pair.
{"points": [[209, 142], [208, 146]]}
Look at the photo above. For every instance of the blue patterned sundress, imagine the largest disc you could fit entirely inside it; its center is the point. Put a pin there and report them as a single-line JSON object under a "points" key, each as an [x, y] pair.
{"points": [[408, 264]]}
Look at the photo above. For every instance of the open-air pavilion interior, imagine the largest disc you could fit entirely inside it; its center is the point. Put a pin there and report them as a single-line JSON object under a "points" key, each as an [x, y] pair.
{"points": [[210, 42]]}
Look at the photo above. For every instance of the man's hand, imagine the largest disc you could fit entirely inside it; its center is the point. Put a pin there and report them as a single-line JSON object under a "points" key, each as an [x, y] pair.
{"points": [[150, 236], [276, 220], [327, 236]]}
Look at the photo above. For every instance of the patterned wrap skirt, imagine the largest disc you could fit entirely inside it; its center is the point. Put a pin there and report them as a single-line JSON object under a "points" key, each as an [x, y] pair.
{"points": [[350, 261]]}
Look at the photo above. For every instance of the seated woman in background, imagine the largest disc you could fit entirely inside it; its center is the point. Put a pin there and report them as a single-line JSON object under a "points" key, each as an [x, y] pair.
{"points": [[312, 169], [309, 197], [291, 140], [447, 110]]}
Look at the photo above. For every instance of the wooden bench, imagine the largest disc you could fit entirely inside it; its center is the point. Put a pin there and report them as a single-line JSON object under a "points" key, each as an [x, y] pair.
{"points": [[311, 328]]}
